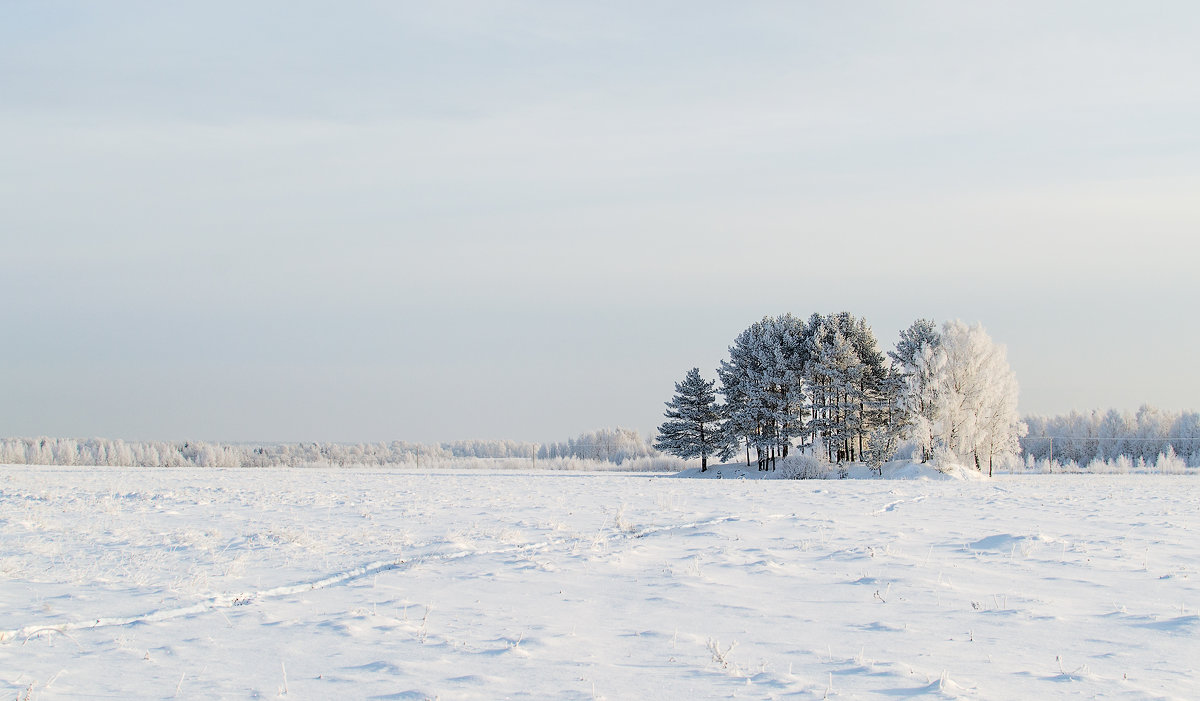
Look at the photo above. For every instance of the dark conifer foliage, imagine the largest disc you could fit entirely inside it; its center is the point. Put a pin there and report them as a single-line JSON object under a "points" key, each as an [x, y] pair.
{"points": [[693, 425]]}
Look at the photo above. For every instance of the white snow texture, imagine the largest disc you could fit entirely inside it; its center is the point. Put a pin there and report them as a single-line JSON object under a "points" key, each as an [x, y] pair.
{"points": [[392, 584]]}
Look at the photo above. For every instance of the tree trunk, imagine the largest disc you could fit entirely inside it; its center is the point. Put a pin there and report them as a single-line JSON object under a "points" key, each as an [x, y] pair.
{"points": [[862, 416]]}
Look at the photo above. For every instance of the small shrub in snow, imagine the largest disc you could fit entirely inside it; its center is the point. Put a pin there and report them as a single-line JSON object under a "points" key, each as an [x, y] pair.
{"points": [[1009, 462], [803, 467], [881, 447], [721, 657], [944, 459], [1169, 463]]}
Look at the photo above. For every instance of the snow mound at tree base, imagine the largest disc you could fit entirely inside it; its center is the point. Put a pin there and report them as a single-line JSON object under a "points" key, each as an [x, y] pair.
{"points": [[915, 470], [807, 467]]}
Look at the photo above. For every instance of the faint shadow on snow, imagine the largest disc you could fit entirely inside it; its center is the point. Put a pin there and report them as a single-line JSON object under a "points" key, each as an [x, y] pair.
{"points": [[1078, 675], [1181, 625], [881, 627], [379, 667], [944, 687], [1008, 541], [471, 679]]}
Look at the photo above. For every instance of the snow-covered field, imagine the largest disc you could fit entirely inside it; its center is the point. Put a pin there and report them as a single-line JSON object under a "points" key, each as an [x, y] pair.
{"points": [[316, 583]]}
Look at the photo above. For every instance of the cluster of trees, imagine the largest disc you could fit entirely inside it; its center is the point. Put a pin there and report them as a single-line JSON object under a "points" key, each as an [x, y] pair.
{"points": [[823, 385], [102, 451], [488, 449], [1105, 436], [614, 446]]}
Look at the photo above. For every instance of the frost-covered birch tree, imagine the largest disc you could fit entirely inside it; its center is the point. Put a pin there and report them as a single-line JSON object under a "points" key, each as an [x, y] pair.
{"points": [[974, 392]]}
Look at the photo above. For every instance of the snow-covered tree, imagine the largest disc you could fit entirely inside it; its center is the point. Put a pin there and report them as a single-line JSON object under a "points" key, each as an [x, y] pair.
{"points": [[881, 446], [784, 355], [1186, 432], [763, 386], [846, 380], [915, 367], [831, 359], [614, 445], [975, 396], [693, 425], [1105, 436], [743, 384], [868, 401]]}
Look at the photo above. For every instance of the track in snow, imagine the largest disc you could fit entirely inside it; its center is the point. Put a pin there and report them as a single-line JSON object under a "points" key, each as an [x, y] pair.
{"points": [[366, 570]]}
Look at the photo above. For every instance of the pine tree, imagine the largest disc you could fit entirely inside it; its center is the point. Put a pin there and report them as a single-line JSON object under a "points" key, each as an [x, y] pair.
{"points": [[785, 357], [693, 427], [913, 370], [868, 380], [742, 383], [762, 384], [841, 384]]}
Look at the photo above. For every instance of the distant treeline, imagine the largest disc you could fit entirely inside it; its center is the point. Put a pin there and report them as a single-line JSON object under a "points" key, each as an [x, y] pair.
{"points": [[614, 445], [1104, 436]]}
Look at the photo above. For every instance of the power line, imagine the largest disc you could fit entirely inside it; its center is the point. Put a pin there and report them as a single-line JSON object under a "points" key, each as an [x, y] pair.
{"points": [[1102, 438]]}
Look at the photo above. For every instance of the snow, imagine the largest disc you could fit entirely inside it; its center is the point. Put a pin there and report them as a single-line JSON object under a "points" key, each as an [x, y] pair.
{"points": [[393, 584], [895, 470]]}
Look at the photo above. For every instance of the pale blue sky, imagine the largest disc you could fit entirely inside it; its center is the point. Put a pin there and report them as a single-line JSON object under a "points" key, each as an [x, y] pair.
{"points": [[374, 221]]}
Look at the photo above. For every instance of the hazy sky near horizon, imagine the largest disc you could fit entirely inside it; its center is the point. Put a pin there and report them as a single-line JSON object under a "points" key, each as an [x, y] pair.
{"points": [[426, 221]]}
